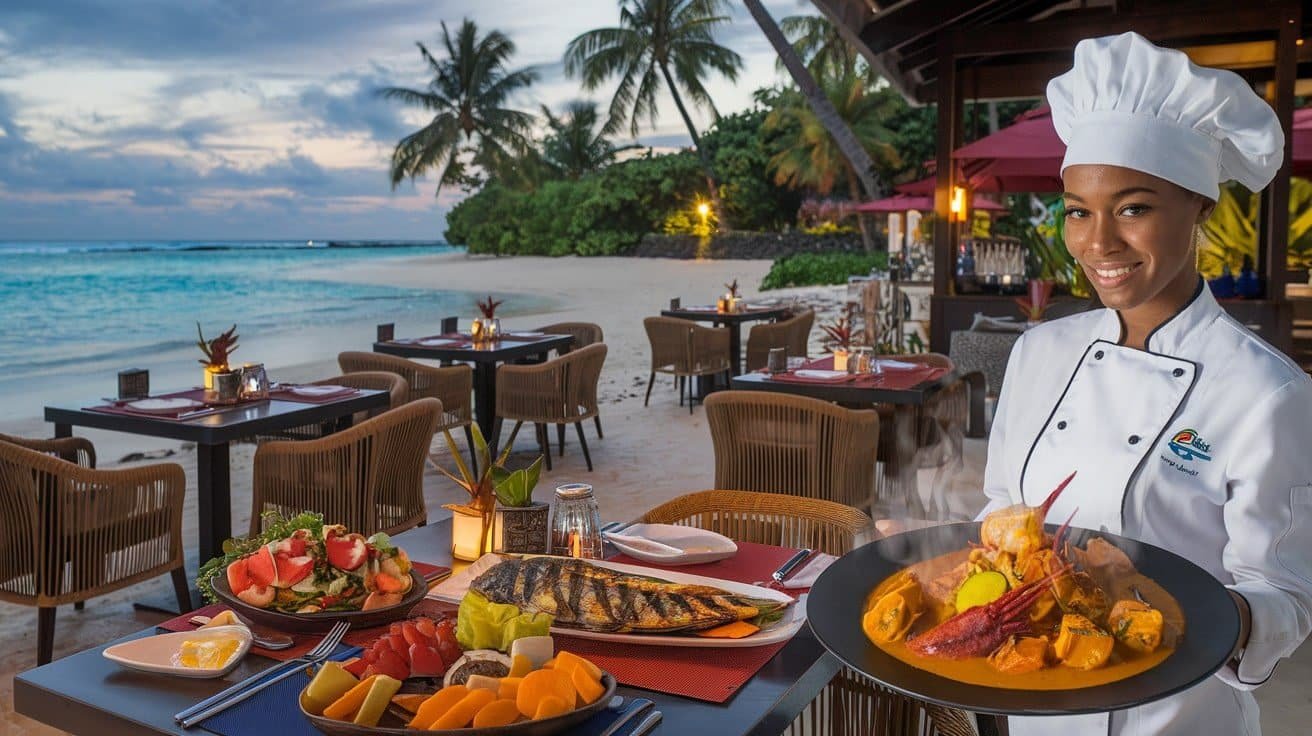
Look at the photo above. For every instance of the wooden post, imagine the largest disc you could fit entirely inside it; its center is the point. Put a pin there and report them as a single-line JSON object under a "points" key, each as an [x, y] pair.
{"points": [[946, 140], [1273, 257]]}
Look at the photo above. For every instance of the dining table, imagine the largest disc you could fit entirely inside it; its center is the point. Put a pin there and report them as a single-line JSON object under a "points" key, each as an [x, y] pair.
{"points": [[85, 693], [213, 433], [733, 321], [897, 495], [485, 355]]}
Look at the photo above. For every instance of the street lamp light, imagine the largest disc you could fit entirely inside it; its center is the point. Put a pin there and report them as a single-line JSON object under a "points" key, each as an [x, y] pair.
{"points": [[703, 209]]}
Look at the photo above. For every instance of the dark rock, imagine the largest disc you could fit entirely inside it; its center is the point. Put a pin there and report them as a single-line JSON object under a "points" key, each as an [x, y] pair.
{"points": [[744, 245]]}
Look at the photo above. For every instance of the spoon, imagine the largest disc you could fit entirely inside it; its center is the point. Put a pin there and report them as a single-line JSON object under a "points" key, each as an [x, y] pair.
{"points": [[266, 639]]}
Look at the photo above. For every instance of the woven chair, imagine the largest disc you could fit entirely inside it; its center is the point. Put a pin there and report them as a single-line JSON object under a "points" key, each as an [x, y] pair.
{"points": [[781, 443], [369, 477], [938, 437], [69, 533], [392, 383], [584, 334], [685, 349], [560, 391], [851, 703], [792, 334], [451, 385]]}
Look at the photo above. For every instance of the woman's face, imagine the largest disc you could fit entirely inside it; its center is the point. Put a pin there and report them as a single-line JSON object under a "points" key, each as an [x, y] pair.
{"points": [[1132, 233]]}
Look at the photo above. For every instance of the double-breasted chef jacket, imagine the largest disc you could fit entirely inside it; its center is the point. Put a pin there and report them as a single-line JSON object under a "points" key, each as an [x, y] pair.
{"points": [[1199, 444]]}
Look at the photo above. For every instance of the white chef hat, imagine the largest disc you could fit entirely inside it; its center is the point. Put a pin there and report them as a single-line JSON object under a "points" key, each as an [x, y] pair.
{"points": [[1129, 103]]}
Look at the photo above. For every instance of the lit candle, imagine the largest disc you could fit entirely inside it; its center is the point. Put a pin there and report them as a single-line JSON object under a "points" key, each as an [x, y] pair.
{"points": [[575, 544]]}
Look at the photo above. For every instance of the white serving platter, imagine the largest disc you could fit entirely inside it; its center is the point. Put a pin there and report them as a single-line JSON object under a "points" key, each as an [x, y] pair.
{"points": [[673, 544], [453, 589], [159, 653], [164, 406]]}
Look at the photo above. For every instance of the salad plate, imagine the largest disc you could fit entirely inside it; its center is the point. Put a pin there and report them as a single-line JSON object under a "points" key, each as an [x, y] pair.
{"points": [[323, 620]]}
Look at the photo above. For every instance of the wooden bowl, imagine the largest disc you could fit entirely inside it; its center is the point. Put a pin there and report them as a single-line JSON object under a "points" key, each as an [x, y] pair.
{"points": [[393, 724], [319, 622]]}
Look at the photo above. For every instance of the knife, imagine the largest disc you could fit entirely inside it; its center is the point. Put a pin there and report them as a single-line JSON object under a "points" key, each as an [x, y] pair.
{"points": [[647, 724], [788, 566], [636, 708]]}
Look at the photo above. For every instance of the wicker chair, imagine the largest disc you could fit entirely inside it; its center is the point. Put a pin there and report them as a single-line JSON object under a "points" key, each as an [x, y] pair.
{"points": [[792, 334], [781, 443], [851, 703], [560, 391], [69, 533], [584, 333], [451, 385], [370, 380], [369, 477], [684, 349]]}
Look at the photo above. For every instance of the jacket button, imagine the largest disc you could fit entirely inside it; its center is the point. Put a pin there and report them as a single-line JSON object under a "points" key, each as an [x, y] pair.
{"points": [[1177, 372], [1134, 439], [1098, 355], [1061, 424]]}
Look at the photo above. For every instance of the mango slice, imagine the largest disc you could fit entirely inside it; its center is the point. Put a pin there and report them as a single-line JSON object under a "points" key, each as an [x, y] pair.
{"points": [[509, 688], [541, 684], [437, 705], [520, 665], [462, 714], [587, 688], [346, 706], [496, 714], [550, 707]]}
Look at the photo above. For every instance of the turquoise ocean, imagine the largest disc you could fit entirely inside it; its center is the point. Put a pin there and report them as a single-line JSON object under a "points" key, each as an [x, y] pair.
{"points": [[72, 314]]}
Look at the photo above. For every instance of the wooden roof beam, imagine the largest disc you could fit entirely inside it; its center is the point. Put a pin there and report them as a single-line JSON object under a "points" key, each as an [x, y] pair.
{"points": [[909, 21]]}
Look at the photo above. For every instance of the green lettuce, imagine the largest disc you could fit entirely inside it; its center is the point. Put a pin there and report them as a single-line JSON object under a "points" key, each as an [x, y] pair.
{"points": [[482, 624]]}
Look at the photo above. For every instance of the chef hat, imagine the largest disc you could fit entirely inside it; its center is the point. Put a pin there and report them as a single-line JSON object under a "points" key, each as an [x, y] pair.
{"points": [[1129, 103]]}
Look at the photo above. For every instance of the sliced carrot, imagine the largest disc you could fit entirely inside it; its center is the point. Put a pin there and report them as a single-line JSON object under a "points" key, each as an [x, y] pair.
{"points": [[462, 713], [344, 707], [437, 705], [735, 630], [410, 701], [550, 707], [588, 689], [520, 666], [568, 661], [509, 688], [541, 684], [498, 713]]}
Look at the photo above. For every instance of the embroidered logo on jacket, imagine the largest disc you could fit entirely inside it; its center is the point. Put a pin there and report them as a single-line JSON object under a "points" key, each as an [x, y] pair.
{"points": [[1189, 446]]}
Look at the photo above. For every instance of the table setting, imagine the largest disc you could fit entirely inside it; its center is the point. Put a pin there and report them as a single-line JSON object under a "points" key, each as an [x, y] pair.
{"points": [[877, 372]]}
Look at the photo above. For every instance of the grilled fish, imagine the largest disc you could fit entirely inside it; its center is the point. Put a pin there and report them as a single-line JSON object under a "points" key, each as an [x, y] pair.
{"points": [[585, 596]]}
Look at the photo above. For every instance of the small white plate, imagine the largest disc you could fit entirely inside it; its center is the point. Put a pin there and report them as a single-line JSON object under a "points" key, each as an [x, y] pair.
{"points": [[159, 653], [898, 365], [164, 406], [319, 391], [819, 374], [526, 334], [437, 342], [673, 544]]}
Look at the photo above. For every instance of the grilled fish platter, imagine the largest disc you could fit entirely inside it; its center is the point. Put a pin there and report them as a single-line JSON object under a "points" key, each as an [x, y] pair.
{"points": [[585, 596]]}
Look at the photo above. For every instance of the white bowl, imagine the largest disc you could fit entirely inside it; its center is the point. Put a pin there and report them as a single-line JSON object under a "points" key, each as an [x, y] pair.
{"points": [[670, 544], [158, 653]]}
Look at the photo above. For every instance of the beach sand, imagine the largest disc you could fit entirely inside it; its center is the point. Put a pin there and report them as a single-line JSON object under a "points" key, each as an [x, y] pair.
{"points": [[649, 454]]}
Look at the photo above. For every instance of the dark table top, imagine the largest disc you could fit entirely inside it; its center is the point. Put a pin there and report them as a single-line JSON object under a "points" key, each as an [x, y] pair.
{"points": [[710, 315], [226, 426], [85, 693], [501, 351], [844, 393]]}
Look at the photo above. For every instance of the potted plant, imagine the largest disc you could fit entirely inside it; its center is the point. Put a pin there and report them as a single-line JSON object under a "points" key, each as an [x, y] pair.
{"points": [[521, 523], [474, 524], [733, 302], [216, 352], [840, 336], [1037, 302], [490, 325]]}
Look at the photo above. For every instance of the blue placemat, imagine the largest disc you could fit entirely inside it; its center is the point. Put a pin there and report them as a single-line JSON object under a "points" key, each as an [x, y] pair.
{"points": [[275, 710]]}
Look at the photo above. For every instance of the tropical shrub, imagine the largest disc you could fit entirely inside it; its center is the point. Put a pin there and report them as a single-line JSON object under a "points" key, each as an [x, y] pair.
{"points": [[816, 269], [1231, 232]]}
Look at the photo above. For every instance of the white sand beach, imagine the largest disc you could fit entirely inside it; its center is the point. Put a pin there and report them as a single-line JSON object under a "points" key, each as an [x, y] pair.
{"points": [[649, 454]]}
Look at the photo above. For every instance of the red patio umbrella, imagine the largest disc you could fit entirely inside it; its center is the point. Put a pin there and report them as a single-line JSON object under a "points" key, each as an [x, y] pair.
{"points": [[1302, 142], [904, 202]]}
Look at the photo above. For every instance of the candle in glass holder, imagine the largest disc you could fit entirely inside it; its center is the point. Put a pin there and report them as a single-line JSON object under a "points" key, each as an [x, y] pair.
{"points": [[840, 359], [476, 330], [575, 523], [254, 381]]}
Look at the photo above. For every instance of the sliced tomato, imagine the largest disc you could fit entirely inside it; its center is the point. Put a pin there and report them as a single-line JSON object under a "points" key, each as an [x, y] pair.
{"points": [[411, 634], [346, 552], [449, 650], [398, 643], [425, 661], [369, 655], [427, 628], [239, 575], [292, 570], [263, 568], [392, 664]]}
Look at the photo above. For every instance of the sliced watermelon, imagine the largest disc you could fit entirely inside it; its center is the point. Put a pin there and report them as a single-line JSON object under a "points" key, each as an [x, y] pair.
{"points": [[346, 552], [263, 569], [239, 575], [292, 570], [425, 661], [391, 664]]}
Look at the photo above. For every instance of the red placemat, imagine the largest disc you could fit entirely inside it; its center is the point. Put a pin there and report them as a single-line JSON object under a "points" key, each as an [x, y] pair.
{"points": [[284, 394], [894, 377], [195, 394], [306, 642]]}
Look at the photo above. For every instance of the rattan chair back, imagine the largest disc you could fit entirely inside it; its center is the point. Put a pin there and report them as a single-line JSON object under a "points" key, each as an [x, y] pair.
{"points": [[77, 450], [792, 334], [559, 391], [369, 477], [781, 443], [452, 385], [584, 333], [767, 518], [684, 348]]}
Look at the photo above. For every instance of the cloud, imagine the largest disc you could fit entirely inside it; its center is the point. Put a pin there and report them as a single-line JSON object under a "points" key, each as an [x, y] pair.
{"points": [[350, 104]]}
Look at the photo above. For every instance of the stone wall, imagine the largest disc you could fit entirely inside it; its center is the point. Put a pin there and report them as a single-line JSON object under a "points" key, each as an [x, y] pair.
{"points": [[744, 245]]}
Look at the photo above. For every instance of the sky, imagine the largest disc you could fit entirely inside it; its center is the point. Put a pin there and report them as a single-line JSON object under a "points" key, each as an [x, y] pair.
{"points": [[257, 119]]}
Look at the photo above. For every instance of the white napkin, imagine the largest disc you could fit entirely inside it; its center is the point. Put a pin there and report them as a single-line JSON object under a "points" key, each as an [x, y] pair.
{"points": [[985, 323], [806, 577], [823, 375]]}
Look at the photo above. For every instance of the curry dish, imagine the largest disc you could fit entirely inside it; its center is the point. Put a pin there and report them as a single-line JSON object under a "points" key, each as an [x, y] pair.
{"points": [[1025, 610]]}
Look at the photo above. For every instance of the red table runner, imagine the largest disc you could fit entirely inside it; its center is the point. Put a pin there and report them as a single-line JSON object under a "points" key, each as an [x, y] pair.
{"points": [[195, 394], [894, 377], [284, 394]]}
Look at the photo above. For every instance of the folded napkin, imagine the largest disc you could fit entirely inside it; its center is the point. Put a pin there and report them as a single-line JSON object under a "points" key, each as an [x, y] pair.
{"points": [[806, 577], [983, 323]]}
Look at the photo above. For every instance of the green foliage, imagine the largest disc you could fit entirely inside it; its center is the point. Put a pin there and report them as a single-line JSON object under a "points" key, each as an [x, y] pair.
{"points": [[1231, 232], [276, 527], [740, 149], [515, 488], [601, 213], [813, 269]]}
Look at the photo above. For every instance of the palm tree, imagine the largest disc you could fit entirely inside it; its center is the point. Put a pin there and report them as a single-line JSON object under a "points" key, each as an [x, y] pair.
{"points": [[472, 127], [859, 164], [673, 40], [810, 157], [574, 146], [818, 42]]}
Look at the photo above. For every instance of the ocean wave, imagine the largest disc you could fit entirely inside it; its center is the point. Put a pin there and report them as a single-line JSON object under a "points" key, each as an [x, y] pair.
{"points": [[23, 367], [62, 247]]}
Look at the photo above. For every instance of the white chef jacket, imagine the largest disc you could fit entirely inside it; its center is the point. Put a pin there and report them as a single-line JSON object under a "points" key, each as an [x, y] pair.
{"points": [[1200, 445]]}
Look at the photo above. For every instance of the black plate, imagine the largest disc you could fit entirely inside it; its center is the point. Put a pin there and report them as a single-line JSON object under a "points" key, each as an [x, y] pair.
{"points": [[839, 595], [316, 622]]}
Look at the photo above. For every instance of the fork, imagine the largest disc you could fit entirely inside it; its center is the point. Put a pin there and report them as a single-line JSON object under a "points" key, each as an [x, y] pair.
{"points": [[241, 691]]}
